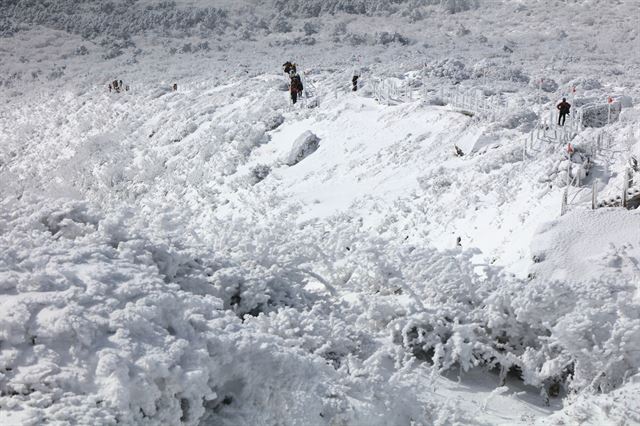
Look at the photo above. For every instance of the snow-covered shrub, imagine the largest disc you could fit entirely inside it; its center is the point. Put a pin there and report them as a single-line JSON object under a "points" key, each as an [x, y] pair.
{"points": [[7, 27], [244, 137], [190, 48], [462, 31], [524, 119], [119, 20], [547, 84], [121, 342], [281, 25], [121, 325], [590, 334], [315, 8], [247, 35], [598, 115], [530, 328], [112, 53], [15, 77], [629, 115], [304, 145], [626, 101], [414, 14], [56, 73], [310, 28], [82, 50], [273, 120], [355, 39], [456, 6], [294, 41], [260, 172], [570, 169], [437, 182], [180, 334], [339, 29], [305, 41], [493, 70], [384, 38], [586, 83], [202, 46], [447, 68], [435, 99]]}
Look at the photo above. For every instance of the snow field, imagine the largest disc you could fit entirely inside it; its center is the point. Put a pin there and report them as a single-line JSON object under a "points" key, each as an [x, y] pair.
{"points": [[324, 258], [163, 263]]}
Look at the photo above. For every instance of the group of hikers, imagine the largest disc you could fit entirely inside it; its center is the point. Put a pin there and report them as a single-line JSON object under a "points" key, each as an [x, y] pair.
{"points": [[118, 86], [296, 88], [295, 83]]}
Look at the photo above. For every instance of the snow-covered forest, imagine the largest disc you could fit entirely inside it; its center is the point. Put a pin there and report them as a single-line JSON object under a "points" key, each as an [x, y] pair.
{"points": [[430, 249]]}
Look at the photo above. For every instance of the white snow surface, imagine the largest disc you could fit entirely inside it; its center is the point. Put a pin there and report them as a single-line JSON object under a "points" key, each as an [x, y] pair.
{"points": [[163, 261]]}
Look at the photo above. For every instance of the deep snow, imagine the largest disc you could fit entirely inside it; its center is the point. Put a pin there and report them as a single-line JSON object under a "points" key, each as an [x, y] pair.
{"points": [[164, 261]]}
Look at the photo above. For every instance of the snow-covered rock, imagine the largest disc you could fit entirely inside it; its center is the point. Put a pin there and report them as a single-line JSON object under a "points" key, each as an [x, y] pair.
{"points": [[304, 145]]}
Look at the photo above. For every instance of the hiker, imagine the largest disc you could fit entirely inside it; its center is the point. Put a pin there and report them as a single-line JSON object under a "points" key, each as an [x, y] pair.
{"points": [[109, 87], [121, 85], [115, 86], [564, 107], [354, 83], [175, 87], [288, 67], [295, 87]]}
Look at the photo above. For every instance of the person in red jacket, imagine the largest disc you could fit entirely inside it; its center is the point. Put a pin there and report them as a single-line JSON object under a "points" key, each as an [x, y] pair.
{"points": [[295, 87], [564, 107]]}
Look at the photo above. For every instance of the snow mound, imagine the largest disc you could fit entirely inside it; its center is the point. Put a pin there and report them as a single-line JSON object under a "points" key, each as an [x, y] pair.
{"points": [[588, 244]]}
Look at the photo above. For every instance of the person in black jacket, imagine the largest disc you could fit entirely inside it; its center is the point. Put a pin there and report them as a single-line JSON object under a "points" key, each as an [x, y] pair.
{"points": [[564, 107]]}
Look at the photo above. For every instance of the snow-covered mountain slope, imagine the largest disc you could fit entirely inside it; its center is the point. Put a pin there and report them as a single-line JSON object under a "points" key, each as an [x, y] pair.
{"points": [[174, 257]]}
